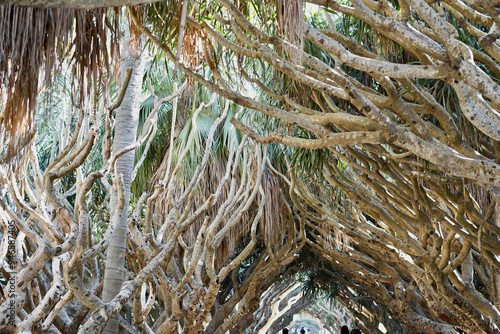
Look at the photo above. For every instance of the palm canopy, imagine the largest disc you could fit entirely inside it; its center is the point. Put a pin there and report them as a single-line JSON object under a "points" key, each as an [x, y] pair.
{"points": [[370, 140]]}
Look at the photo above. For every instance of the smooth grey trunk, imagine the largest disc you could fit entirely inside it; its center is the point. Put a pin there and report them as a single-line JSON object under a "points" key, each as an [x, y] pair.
{"points": [[126, 121]]}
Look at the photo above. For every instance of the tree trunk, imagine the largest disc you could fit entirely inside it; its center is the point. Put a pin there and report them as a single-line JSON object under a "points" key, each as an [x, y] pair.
{"points": [[127, 117]]}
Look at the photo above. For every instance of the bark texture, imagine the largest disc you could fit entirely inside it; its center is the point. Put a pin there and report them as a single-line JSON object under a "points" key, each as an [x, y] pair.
{"points": [[125, 133]]}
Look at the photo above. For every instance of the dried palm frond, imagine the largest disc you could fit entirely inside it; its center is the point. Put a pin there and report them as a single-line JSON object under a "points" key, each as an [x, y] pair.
{"points": [[291, 18], [210, 181], [39, 39], [480, 196], [274, 227], [192, 50]]}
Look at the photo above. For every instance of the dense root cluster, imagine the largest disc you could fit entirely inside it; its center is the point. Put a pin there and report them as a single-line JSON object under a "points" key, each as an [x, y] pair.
{"points": [[386, 181]]}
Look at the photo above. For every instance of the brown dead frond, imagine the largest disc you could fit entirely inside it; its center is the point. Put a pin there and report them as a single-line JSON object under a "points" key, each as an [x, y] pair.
{"points": [[479, 196], [33, 40], [192, 50], [291, 18], [274, 224]]}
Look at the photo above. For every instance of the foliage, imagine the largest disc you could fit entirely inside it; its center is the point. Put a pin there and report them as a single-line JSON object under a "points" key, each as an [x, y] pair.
{"points": [[358, 156]]}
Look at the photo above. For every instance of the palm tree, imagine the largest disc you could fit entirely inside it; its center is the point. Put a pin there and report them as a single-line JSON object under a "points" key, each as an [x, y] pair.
{"points": [[125, 133], [374, 153]]}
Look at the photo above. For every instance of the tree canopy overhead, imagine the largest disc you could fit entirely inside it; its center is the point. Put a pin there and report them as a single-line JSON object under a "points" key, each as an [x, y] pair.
{"points": [[349, 145]]}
